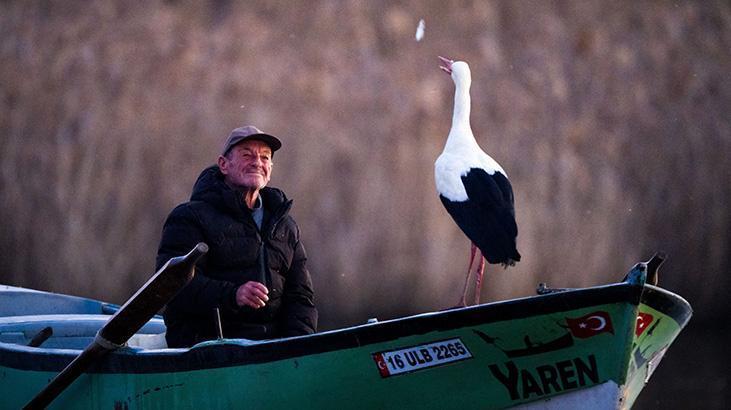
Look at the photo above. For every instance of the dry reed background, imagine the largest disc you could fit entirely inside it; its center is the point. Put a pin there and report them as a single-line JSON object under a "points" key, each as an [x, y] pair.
{"points": [[611, 118]]}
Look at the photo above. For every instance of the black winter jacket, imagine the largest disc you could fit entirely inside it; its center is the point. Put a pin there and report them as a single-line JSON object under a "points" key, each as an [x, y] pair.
{"points": [[217, 215]]}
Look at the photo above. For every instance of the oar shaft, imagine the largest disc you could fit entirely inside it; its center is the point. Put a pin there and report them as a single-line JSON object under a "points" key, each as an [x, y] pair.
{"points": [[151, 297], [91, 354]]}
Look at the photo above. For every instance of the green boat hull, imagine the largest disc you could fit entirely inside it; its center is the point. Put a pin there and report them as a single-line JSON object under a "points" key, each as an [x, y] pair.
{"points": [[556, 350]]}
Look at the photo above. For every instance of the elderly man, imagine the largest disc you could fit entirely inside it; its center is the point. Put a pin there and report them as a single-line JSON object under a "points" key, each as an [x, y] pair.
{"points": [[255, 272]]}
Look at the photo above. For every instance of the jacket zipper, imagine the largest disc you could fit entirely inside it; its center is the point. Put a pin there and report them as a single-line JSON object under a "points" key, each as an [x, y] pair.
{"points": [[281, 213]]}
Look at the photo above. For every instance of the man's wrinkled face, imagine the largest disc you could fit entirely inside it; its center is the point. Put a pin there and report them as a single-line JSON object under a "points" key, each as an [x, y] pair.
{"points": [[247, 166]]}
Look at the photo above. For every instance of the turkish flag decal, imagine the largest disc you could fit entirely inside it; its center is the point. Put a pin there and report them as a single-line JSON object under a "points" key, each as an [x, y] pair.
{"points": [[643, 320], [382, 366], [590, 325]]}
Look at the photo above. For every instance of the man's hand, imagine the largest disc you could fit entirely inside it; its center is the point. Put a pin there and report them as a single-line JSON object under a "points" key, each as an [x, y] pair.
{"points": [[252, 294]]}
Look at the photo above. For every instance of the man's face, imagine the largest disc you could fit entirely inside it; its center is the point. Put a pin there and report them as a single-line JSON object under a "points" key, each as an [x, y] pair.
{"points": [[248, 166]]}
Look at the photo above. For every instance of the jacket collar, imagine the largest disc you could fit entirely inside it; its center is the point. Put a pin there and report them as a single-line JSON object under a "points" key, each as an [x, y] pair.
{"points": [[210, 188]]}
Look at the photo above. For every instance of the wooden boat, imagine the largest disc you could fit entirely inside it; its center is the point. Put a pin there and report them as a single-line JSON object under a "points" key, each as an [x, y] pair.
{"points": [[568, 348]]}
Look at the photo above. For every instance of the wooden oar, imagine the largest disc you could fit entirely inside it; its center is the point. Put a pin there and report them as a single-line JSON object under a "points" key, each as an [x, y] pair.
{"points": [[142, 306], [41, 337]]}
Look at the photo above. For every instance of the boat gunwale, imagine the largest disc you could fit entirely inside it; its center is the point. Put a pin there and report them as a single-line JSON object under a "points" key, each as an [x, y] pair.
{"points": [[237, 352], [668, 303]]}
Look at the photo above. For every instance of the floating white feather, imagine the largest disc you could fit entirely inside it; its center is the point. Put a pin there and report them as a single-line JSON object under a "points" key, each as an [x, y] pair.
{"points": [[420, 30]]}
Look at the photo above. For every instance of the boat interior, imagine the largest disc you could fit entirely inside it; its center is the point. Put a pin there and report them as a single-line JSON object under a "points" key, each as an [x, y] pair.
{"points": [[75, 331], [54, 321]]}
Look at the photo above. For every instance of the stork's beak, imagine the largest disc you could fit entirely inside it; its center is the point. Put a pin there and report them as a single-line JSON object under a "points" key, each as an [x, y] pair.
{"points": [[447, 64]]}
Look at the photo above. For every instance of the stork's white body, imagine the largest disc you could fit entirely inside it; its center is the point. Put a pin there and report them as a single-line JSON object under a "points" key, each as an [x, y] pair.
{"points": [[461, 152]]}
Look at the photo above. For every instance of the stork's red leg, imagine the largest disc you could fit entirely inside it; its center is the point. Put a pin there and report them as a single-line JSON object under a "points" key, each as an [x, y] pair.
{"points": [[463, 301], [480, 273]]}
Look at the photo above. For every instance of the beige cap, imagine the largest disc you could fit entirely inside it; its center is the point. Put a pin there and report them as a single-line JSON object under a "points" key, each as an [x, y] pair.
{"points": [[250, 132]]}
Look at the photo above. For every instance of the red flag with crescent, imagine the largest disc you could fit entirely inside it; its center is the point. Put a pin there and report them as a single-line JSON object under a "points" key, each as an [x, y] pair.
{"points": [[643, 320], [382, 366], [590, 325]]}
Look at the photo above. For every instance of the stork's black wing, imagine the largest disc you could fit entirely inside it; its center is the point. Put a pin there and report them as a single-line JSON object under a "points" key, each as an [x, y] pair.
{"points": [[488, 216]]}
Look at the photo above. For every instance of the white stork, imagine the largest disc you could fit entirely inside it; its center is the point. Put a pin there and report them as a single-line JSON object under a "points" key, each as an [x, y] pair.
{"points": [[473, 187]]}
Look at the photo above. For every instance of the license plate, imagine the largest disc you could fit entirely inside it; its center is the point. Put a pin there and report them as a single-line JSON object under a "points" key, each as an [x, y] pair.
{"points": [[409, 359]]}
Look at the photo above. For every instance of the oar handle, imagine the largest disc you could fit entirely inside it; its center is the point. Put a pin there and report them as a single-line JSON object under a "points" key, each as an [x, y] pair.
{"points": [[41, 337], [151, 297], [144, 304]]}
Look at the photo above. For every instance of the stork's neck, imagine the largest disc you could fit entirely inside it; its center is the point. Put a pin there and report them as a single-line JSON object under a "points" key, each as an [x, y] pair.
{"points": [[461, 132], [461, 115]]}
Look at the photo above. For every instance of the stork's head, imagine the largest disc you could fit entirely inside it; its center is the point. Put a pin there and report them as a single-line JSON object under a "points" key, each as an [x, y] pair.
{"points": [[459, 70]]}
